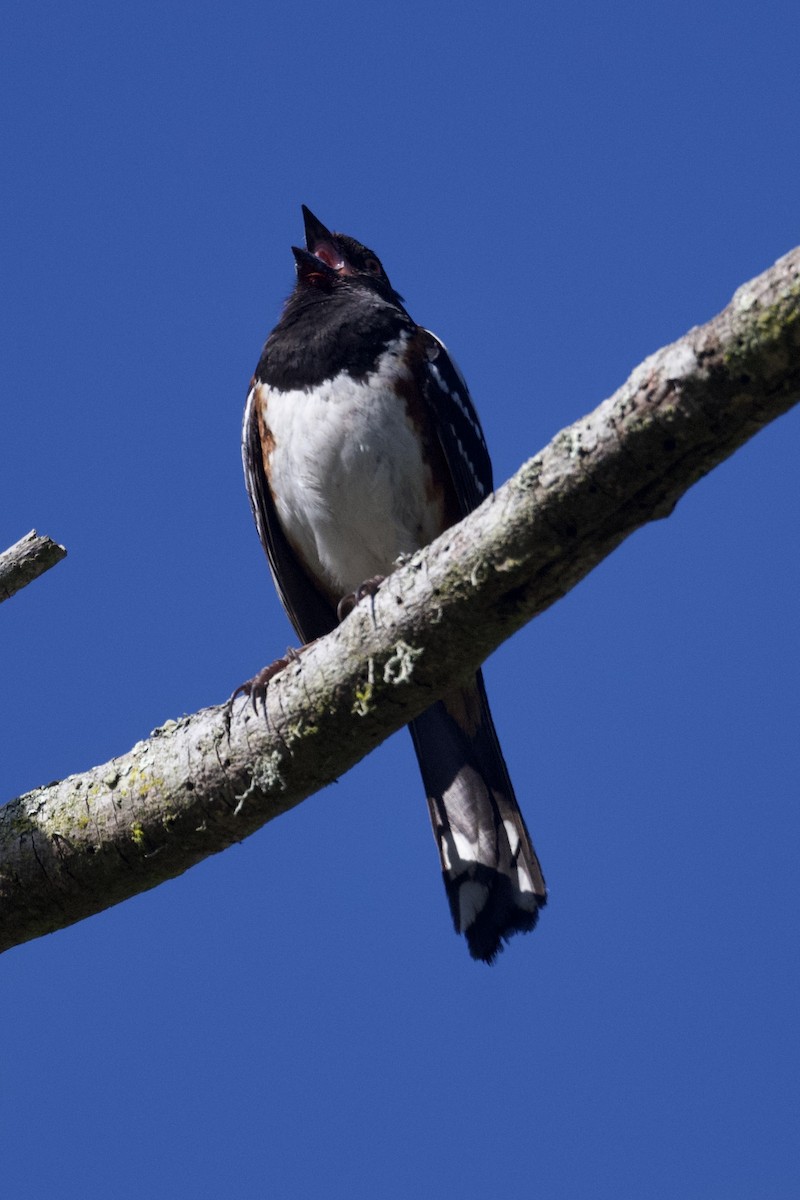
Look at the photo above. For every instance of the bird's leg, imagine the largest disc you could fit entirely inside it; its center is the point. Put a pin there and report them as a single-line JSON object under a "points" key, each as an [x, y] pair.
{"points": [[256, 688], [368, 588]]}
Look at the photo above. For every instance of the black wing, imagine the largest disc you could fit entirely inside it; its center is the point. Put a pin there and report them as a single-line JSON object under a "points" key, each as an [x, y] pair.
{"points": [[457, 426], [310, 613]]}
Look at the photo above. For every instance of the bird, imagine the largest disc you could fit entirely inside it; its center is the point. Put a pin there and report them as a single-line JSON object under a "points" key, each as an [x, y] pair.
{"points": [[360, 445]]}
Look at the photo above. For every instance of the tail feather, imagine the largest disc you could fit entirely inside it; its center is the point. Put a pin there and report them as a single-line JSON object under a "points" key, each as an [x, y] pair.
{"points": [[491, 873]]}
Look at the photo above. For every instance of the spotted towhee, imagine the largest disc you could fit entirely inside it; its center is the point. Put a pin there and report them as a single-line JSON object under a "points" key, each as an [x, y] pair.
{"points": [[360, 445]]}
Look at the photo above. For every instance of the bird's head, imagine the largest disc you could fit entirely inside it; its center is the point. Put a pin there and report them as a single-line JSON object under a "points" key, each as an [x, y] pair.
{"points": [[332, 260]]}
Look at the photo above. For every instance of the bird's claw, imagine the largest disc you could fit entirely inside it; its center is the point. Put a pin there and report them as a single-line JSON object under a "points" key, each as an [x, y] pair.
{"points": [[368, 588], [256, 688]]}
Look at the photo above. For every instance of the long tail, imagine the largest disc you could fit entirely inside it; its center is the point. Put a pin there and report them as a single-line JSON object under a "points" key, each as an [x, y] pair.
{"points": [[491, 873]]}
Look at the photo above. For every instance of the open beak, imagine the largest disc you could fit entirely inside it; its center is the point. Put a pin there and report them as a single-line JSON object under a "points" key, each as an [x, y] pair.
{"points": [[321, 243], [311, 268]]}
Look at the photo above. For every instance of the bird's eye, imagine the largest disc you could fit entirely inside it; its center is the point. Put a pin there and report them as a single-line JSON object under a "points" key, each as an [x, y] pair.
{"points": [[372, 266]]}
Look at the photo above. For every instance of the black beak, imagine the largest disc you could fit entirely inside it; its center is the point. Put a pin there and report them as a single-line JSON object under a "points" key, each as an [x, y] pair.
{"points": [[315, 230], [310, 268], [322, 259]]}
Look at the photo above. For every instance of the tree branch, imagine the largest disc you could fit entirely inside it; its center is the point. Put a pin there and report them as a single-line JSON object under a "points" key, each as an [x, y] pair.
{"points": [[198, 784], [25, 561]]}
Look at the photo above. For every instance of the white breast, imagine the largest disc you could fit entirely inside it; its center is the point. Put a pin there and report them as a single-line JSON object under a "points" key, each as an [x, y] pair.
{"points": [[351, 489]]}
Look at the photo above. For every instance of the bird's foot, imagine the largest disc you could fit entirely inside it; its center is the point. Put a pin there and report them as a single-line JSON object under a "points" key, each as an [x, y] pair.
{"points": [[368, 588], [256, 688]]}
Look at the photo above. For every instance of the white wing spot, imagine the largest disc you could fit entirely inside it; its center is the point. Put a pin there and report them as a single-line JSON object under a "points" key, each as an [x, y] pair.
{"points": [[440, 381], [459, 401], [478, 482]]}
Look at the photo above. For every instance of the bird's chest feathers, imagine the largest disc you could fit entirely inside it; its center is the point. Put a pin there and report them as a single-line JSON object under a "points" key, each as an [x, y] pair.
{"points": [[347, 473]]}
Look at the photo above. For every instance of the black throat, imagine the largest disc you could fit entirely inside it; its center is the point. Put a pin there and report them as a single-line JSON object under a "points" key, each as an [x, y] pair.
{"points": [[324, 332]]}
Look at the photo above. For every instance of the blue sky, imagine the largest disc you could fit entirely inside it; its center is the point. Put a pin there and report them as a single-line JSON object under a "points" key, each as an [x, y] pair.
{"points": [[557, 190]]}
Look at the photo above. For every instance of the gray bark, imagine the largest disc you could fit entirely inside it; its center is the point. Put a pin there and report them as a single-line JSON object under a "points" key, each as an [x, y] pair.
{"points": [[25, 561]]}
